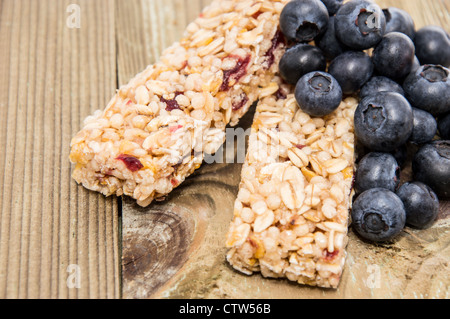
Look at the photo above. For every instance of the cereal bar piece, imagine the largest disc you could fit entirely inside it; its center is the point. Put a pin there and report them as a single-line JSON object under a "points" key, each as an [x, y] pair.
{"points": [[156, 129], [291, 214]]}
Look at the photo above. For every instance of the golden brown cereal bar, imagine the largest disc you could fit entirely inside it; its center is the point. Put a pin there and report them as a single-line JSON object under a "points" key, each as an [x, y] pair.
{"points": [[291, 213], [156, 129]]}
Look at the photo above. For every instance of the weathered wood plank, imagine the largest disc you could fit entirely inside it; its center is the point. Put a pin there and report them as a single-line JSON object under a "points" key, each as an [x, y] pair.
{"points": [[53, 76], [175, 248]]}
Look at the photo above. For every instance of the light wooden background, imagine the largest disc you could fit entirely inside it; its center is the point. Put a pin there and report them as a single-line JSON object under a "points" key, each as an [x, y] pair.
{"points": [[51, 78]]}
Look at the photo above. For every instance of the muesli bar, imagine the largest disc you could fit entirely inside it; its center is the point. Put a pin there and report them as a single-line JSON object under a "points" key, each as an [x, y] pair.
{"points": [[156, 129], [291, 214]]}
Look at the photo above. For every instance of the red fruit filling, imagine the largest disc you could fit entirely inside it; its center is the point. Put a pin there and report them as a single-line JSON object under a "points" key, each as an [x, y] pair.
{"points": [[235, 73], [276, 41], [132, 163], [172, 104], [239, 102]]}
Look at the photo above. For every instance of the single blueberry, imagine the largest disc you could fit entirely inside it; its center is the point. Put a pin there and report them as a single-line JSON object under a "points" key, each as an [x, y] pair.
{"points": [[318, 93], [433, 46], [378, 215], [329, 44], [425, 127], [377, 170], [303, 20], [393, 57], [431, 165], [300, 60], [380, 84], [444, 127], [383, 122], [398, 20], [333, 6], [428, 88], [360, 24], [352, 69], [421, 204]]}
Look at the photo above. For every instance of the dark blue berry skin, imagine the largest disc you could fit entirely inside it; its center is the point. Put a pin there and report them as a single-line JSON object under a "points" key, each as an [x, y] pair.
{"points": [[303, 20], [398, 20], [377, 170], [329, 44], [431, 165], [428, 88], [416, 64], [425, 127], [380, 84], [383, 122], [433, 46], [333, 6], [401, 155], [352, 69], [393, 57], [444, 127], [318, 93], [300, 60], [378, 215], [421, 204], [360, 24]]}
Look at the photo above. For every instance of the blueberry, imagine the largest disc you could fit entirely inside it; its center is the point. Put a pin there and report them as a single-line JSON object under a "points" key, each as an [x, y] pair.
{"points": [[433, 46], [401, 155], [378, 215], [393, 57], [416, 64], [398, 20], [444, 127], [383, 121], [318, 93], [352, 69], [380, 84], [425, 127], [303, 20], [300, 60], [428, 88], [377, 170], [328, 42], [421, 204], [360, 24], [333, 6], [431, 165]]}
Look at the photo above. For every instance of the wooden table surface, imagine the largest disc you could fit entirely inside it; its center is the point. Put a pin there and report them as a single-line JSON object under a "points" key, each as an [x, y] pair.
{"points": [[58, 240]]}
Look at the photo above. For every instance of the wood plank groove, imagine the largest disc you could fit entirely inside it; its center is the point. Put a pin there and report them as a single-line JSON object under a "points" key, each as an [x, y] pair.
{"points": [[53, 77]]}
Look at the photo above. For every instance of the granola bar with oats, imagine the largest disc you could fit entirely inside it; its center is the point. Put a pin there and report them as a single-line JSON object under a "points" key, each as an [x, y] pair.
{"points": [[291, 214], [156, 129]]}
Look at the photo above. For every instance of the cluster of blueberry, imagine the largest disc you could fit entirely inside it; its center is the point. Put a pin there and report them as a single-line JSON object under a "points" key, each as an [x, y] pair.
{"points": [[402, 78]]}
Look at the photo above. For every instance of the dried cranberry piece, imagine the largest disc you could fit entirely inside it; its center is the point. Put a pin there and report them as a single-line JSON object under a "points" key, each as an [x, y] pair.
{"points": [[240, 102], [174, 182], [330, 256], [175, 128], [132, 163], [277, 40], [280, 94], [172, 104], [236, 73]]}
